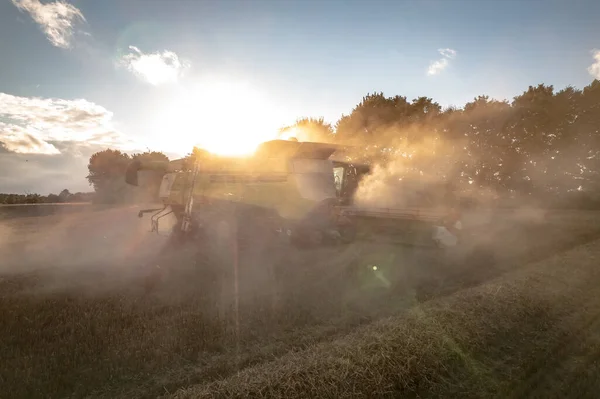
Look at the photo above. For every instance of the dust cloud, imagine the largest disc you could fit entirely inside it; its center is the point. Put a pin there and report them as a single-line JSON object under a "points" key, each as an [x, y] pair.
{"points": [[86, 249], [419, 168], [388, 187]]}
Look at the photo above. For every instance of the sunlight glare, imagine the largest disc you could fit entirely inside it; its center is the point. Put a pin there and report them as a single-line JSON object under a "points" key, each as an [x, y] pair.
{"points": [[224, 117]]}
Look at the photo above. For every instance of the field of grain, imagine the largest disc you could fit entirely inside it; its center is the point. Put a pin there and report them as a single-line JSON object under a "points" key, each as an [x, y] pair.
{"points": [[90, 307], [534, 332]]}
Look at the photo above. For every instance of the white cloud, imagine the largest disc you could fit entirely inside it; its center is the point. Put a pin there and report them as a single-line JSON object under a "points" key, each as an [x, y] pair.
{"points": [[19, 140], [439, 65], [447, 52], [45, 143], [37, 125], [56, 19], [594, 69], [155, 68]]}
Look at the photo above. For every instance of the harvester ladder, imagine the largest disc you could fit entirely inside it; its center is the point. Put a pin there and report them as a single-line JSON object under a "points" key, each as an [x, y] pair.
{"points": [[186, 223]]}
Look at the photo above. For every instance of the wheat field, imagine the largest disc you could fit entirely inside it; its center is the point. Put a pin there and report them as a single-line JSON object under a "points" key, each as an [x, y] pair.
{"points": [[90, 308]]}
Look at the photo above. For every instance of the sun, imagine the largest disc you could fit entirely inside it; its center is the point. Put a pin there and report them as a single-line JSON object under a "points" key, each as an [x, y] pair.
{"points": [[225, 117]]}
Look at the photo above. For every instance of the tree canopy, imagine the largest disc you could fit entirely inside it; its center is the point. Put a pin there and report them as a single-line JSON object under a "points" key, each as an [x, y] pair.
{"points": [[309, 129], [543, 144], [107, 170]]}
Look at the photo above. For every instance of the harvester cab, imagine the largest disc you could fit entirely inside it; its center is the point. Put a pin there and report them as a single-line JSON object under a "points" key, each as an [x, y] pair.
{"points": [[347, 177]]}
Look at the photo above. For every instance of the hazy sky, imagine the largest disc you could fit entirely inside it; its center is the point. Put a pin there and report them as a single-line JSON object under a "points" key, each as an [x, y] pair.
{"points": [[84, 75]]}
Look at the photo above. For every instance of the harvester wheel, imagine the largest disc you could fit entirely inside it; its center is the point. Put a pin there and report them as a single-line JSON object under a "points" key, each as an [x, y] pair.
{"points": [[299, 238], [347, 233]]}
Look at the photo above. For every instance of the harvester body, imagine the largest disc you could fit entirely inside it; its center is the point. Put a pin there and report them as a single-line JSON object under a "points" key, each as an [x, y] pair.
{"points": [[289, 188]]}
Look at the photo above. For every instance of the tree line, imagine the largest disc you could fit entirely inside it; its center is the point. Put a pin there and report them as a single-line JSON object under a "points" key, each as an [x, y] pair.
{"points": [[543, 145], [65, 196]]}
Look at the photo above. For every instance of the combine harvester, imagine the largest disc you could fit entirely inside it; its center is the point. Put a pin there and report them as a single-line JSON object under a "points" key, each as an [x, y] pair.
{"points": [[292, 192], [285, 219]]}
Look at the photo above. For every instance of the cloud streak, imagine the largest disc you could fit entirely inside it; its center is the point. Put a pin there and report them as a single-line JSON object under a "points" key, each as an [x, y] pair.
{"points": [[594, 69], [439, 65], [35, 125], [56, 19], [154, 68]]}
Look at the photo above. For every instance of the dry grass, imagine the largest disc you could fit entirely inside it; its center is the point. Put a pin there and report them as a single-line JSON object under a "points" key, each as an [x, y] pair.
{"points": [[533, 333], [34, 210], [92, 329]]}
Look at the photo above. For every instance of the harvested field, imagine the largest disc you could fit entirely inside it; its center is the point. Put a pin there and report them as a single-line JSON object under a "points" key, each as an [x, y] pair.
{"points": [[89, 308], [33, 210], [531, 333]]}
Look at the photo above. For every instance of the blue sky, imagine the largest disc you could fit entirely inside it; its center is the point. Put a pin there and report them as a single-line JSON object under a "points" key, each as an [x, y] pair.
{"points": [[161, 74]]}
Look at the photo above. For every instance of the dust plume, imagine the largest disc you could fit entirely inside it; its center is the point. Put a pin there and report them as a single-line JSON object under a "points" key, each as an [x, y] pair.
{"points": [[402, 169], [99, 249]]}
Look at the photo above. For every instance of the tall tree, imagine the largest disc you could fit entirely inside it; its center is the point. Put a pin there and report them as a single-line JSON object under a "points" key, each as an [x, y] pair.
{"points": [[542, 142], [64, 195], [309, 129], [150, 156], [586, 136], [105, 166], [106, 174]]}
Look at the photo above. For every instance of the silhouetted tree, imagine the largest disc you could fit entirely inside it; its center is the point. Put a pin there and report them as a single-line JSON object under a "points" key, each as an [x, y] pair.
{"points": [[309, 129], [107, 173], [64, 196], [543, 144], [52, 199], [106, 166], [150, 156]]}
